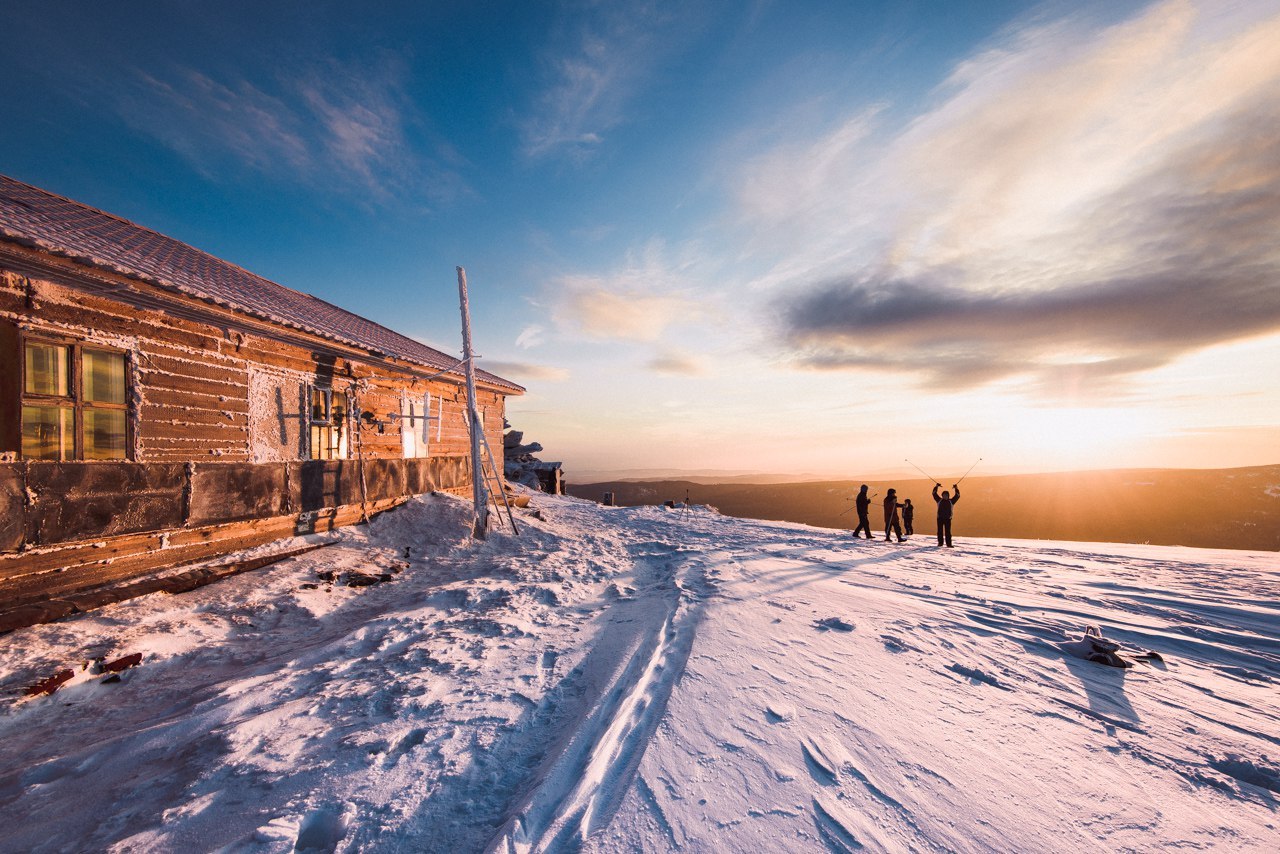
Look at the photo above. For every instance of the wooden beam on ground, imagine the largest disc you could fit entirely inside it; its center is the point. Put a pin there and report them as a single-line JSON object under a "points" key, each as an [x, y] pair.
{"points": [[180, 582]]}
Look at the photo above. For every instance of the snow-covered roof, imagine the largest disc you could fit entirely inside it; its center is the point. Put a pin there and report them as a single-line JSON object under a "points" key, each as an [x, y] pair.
{"points": [[54, 224]]}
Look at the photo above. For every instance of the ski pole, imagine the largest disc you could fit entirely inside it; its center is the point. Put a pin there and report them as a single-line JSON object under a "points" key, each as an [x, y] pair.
{"points": [[854, 507], [922, 471], [966, 474]]}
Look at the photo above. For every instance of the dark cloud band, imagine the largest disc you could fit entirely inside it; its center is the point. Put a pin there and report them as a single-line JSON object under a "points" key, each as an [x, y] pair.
{"points": [[1198, 233]]}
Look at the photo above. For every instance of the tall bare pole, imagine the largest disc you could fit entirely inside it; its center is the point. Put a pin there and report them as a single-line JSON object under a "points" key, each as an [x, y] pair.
{"points": [[478, 490]]}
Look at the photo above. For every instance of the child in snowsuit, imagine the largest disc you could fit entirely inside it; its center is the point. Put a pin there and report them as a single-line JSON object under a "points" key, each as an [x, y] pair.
{"points": [[863, 505], [908, 514], [945, 503], [891, 506]]}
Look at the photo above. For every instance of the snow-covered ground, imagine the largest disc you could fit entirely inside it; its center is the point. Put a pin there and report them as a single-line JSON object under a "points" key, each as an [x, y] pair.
{"points": [[620, 679]]}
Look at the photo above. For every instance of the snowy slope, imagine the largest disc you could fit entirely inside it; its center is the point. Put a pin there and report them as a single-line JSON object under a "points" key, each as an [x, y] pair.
{"points": [[636, 678]]}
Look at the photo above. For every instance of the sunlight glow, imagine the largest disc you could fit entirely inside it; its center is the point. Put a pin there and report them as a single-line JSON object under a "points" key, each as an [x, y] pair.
{"points": [[1077, 433]]}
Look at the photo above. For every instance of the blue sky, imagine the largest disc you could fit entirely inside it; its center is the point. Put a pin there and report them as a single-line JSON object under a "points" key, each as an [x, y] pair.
{"points": [[795, 237]]}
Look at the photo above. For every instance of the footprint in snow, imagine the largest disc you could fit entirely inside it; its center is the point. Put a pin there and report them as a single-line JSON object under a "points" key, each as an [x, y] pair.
{"points": [[321, 830], [777, 713], [1246, 675], [978, 676], [784, 774], [827, 624], [1255, 773], [823, 760], [409, 741], [896, 644], [547, 665], [837, 826]]}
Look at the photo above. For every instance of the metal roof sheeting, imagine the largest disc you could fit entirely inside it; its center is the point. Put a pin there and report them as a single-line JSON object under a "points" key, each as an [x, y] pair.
{"points": [[35, 217]]}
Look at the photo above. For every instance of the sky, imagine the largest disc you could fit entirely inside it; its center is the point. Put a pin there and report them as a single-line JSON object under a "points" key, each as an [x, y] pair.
{"points": [[821, 238]]}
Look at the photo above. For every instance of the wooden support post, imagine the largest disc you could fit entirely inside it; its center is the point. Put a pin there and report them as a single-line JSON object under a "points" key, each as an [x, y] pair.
{"points": [[479, 491]]}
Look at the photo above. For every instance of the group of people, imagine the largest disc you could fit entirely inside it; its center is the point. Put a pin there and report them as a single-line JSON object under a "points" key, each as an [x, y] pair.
{"points": [[945, 502]]}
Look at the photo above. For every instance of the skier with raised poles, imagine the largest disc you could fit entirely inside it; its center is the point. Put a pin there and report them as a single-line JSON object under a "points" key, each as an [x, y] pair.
{"points": [[863, 506], [891, 506], [945, 504]]}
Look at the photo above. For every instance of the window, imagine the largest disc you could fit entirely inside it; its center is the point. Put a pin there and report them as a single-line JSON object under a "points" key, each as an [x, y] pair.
{"points": [[328, 424], [415, 425], [74, 402]]}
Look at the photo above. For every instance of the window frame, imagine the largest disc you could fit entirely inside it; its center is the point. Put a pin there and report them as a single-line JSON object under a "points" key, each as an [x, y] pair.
{"points": [[335, 450], [409, 426], [75, 400]]}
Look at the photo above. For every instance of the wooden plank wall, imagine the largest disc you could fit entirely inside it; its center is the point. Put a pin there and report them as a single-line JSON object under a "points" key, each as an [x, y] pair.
{"points": [[191, 381], [218, 424], [71, 526]]}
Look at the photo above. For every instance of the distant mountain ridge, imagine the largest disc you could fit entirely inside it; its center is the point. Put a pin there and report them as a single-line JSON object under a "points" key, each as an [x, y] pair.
{"points": [[1208, 508], [693, 476]]}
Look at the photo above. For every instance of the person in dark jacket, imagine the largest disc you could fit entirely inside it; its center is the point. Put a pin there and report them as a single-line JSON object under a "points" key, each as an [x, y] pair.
{"points": [[945, 503], [863, 505], [908, 515], [891, 506]]}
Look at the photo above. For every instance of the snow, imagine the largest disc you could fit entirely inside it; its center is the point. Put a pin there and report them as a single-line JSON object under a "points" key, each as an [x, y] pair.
{"points": [[618, 679]]}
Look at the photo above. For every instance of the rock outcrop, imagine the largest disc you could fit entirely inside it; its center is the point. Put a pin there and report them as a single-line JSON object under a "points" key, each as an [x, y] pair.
{"points": [[521, 466]]}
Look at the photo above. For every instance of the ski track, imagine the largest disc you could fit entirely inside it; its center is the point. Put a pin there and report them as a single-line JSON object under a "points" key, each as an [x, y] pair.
{"points": [[972, 625], [639, 678], [577, 795]]}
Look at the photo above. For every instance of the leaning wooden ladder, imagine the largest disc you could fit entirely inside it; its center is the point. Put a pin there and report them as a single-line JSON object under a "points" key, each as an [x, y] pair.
{"points": [[493, 482]]}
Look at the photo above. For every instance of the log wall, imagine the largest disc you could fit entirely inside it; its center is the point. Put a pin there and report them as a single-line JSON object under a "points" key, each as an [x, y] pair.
{"points": [[219, 433], [202, 391], [67, 527]]}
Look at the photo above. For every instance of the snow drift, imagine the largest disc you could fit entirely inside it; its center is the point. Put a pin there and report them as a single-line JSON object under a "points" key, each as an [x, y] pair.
{"points": [[644, 678]]}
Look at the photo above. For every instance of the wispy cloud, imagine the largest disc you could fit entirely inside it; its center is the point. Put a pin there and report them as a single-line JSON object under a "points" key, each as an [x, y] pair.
{"points": [[531, 336], [601, 312], [678, 363], [526, 371], [338, 127], [637, 302], [204, 120], [1078, 204], [593, 73]]}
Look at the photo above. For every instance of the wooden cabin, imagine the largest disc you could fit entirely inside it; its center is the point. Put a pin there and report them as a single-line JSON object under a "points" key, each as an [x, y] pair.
{"points": [[160, 406]]}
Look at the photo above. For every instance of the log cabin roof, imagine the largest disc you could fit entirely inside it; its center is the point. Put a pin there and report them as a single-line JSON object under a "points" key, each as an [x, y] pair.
{"points": [[49, 222]]}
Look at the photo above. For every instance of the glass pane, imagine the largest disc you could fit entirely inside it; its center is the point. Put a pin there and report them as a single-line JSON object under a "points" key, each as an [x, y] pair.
{"points": [[48, 369], [103, 376], [319, 404], [46, 432], [104, 434], [320, 443]]}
